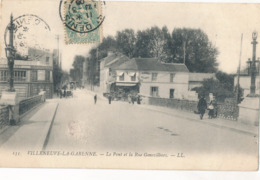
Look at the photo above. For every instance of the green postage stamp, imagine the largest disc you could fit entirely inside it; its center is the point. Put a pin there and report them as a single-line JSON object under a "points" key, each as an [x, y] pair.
{"points": [[82, 21]]}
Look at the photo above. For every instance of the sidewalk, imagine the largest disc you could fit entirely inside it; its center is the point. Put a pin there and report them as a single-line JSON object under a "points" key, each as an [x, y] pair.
{"points": [[32, 132], [216, 122]]}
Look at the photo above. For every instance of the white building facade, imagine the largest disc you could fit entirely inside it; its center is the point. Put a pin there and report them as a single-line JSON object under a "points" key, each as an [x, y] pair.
{"points": [[152, 78]]}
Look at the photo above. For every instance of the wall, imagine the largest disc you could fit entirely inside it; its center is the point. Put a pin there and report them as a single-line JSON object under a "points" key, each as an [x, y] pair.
{"points": [[179, 84], [20, 88], [245, 83], [227, 110], [104, 73]]}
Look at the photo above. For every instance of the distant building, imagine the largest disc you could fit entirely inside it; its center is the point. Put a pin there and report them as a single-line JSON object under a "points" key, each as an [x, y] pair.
{"points": [[196, 79], [152, 78], [30, 76], [108, 71]]}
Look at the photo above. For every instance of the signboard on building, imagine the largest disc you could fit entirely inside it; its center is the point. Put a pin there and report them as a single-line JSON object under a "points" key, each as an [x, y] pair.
{"points": [[145, 75], [41, 75]]}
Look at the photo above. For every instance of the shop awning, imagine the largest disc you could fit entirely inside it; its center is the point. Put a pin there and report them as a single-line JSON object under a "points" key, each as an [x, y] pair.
{"points": [[120, 73], [132, 74], [125, 84]]}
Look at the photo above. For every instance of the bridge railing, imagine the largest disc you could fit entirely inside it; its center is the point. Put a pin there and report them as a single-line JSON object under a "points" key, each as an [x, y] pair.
{"points": [[225, 110], [4, 116], [27, 104]]}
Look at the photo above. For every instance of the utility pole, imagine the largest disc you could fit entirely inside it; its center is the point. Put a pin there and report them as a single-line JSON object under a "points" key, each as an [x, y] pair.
{"points": [[10, 54], [58, 43], [184, 51], [238, 71], [253, 65]]}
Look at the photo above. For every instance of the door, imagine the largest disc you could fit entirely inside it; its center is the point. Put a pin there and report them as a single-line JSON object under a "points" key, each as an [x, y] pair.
{"points": [[171, 93]]}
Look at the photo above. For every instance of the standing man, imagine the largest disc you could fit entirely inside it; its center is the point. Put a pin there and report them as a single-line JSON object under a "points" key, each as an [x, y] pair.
{"points": [[95, 99], [202, 106], [109, 98], [60, 93]]}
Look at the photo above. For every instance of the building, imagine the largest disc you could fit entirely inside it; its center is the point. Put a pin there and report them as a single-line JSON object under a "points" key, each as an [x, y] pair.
{"points": [[151, 78], [196, 79], [30, 76], [108, 67]]}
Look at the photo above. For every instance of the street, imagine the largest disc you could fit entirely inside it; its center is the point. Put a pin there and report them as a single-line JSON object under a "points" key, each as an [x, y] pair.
{"points": [[82, 125]]}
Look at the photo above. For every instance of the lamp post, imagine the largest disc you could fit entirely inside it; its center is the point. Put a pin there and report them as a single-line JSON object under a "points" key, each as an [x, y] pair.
{"points": [[253, 65], [10, 54]]}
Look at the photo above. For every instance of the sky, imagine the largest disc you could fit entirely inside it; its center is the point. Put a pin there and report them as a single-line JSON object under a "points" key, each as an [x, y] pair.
{"points": [[223, 23]]}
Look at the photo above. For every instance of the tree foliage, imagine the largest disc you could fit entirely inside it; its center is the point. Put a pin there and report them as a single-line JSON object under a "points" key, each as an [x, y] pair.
{"points": [[221, 87], [200, 55], [76, 72], [171, 47], [59, 76]]}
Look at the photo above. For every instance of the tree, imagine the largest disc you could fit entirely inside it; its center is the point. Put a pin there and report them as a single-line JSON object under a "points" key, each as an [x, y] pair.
{"points": [[216, 87], [240, 94], [57, 75], [193, 44], [77, 72], [158, 42], [126, 42], [153, 42], [226, 79], [143, 39]]}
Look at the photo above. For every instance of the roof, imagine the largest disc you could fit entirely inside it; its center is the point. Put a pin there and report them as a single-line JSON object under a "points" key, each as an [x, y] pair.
{"points": [[115, 60], [201, 76], [152, 64]]}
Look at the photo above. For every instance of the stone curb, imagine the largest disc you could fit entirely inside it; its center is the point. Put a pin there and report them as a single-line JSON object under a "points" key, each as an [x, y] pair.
{"points": [[46, 140]]}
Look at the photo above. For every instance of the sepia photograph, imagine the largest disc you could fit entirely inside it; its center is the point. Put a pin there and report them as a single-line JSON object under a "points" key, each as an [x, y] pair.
{"points": [[129, 85]]}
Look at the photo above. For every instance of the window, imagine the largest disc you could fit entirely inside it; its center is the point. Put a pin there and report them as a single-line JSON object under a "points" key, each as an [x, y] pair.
{"points": [[19, 75], [154, 76], [171, 93], [133, 77], [3, 75], [34, 75], [47, 75], [154, 91], [47, 60], [122, 77], [172, 77]]}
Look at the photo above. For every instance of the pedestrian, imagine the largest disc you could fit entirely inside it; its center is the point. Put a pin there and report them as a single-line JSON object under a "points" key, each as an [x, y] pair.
{"points": [[129, 98], [60, 94], [202, 106], [132, 99], [58, 91], [109, 99], [211, 110], [64, 93], [138, 99], [95, 99]]}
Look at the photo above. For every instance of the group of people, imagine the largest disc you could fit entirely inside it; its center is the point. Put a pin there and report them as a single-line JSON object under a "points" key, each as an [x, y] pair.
{"points": [[109, 99], [132, 99], [202, 107], [63, 93]]}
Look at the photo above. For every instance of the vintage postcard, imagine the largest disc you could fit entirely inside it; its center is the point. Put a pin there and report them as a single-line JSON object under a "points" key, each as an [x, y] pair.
{"points": [[129, 85]]}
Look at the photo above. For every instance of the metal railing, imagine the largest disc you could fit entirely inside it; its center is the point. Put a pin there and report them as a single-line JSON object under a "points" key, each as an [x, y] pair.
{"points": [[4, 116], [226, 110], [27, 104]]}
